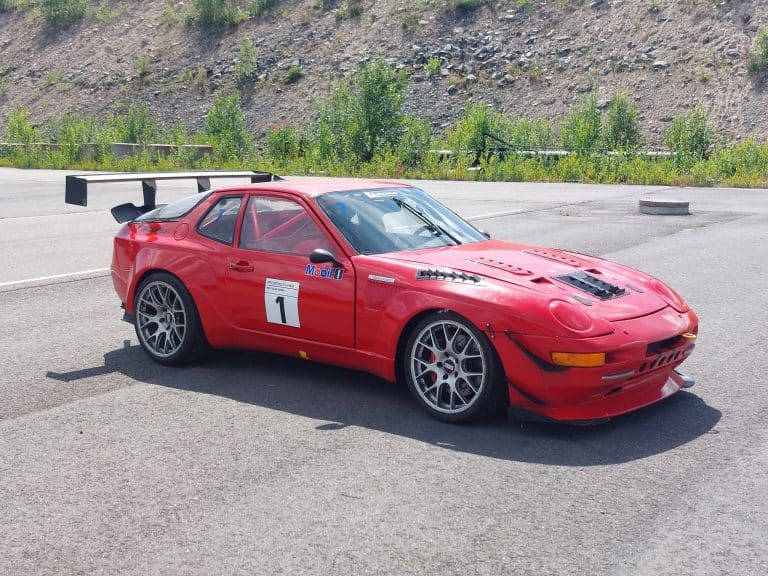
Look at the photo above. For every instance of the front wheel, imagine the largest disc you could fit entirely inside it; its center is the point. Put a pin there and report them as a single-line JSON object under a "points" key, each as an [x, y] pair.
{"points": [[452, 370], [167, 322]]}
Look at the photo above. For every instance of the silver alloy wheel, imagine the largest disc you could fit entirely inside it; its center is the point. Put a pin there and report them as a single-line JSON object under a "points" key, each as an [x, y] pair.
{"points": [[448, 366], [161, 318]]}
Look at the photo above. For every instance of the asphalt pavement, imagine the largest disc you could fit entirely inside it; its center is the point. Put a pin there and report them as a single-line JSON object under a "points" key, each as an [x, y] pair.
{"points": [[258, 464]]}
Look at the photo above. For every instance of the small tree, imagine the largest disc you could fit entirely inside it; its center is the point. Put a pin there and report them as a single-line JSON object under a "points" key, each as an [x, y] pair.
{"points": [[245, 68], [226, 128], [581, 131], [622, 127], [363, 117], [690, 137]]}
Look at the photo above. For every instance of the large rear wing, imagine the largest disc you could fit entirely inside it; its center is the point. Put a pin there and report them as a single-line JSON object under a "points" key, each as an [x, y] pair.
{"points": [[76, 191], [77, 186]]}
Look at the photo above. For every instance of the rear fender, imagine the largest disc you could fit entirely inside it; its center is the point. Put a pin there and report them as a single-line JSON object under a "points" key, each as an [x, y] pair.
{"points": [[196, 275]]}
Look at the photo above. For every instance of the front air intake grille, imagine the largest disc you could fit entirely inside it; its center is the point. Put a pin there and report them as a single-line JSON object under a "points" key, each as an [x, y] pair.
{"points": [[591, 285]]}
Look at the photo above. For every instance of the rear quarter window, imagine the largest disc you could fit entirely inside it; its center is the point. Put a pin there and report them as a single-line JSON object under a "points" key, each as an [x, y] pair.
{"points": [[220, 221], [175, 210]]}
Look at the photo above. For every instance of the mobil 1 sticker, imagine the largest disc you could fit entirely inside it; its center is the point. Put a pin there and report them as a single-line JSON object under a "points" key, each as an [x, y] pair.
{"points": [[281, 299]]}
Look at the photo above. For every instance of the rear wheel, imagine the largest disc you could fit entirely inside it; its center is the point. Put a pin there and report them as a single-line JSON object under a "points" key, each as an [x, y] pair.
{"points": [[167, 322], [452, 370]]}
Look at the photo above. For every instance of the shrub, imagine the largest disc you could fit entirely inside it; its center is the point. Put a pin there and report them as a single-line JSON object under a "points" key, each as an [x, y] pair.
{"points": [[259, 7], [19, 129], [225, 126], [690, 137], [143, 66], [362, 117], [622, 127], [469, 134], [216, 13], [71, 133], [415, 140], [245, 67], [481, 129], [529, 134], [136, 126], [757, 58], [354, 8], [581, 131], [294, 74], [284, 143], [432, 66], [465, 5], [62, 13]]}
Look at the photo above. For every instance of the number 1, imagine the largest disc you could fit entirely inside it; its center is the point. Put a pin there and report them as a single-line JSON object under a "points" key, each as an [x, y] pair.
{"points": [[280, 300]]}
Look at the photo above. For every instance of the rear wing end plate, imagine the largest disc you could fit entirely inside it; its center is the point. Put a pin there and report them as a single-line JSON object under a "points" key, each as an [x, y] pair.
{"points": [[77, 186]]}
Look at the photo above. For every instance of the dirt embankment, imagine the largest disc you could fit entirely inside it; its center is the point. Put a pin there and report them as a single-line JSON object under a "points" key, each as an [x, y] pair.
{"points": [[525, 58]]}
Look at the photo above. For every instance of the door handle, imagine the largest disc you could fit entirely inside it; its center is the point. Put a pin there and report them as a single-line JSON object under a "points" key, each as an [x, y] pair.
{"points": [[241, 266]]}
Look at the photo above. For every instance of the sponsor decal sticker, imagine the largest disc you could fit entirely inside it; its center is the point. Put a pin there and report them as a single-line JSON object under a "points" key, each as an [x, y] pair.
{"points": [[325, 272]]}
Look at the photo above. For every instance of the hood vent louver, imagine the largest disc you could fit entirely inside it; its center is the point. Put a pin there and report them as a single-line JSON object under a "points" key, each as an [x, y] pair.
{"points": [[557, 257], [501, 266], [445, 274], [591, 285]]}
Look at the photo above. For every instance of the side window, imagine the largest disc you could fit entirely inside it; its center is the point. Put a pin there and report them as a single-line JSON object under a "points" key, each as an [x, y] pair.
{"points": [[220, 221], [280, 225]]}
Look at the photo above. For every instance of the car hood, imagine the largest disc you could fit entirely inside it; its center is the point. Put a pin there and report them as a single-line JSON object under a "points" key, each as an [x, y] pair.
{"points": [[608, 290]]}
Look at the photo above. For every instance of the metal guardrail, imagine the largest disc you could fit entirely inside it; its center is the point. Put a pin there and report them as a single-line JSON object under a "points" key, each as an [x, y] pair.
{"points": [[117, 149], [545, 153]]}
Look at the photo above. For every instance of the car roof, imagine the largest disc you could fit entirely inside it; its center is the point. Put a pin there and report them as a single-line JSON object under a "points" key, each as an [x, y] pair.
{"points": [[311, 187]]}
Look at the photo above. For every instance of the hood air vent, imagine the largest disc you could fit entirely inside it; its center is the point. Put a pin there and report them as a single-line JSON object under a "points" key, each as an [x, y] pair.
{"points": [[501, 266], [591, 285], [444, 274]]}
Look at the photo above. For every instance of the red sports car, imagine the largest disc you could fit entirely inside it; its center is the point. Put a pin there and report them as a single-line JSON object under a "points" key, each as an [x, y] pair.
{"points": [[379, 276]]}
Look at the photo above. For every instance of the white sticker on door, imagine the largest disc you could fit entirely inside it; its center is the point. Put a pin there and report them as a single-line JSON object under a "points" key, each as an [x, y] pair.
{"points": [[281, 299]]}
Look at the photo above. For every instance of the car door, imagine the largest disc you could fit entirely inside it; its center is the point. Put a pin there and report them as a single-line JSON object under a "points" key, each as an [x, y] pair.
{"points": [[273, 287]]}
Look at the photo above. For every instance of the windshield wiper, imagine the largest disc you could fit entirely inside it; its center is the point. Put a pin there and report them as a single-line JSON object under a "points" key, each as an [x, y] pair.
{"points": [[433, 227]]}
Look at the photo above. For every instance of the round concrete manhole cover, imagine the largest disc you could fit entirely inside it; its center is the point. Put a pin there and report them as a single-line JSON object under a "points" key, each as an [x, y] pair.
{"points": [[664, 207]]}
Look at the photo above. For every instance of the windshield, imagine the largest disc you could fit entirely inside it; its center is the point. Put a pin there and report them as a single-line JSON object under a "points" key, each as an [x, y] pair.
{"points": [[174, 210], [394, 219]]}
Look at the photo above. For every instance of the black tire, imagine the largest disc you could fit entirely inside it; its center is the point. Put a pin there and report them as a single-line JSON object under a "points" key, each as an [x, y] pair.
{"points": [[167, 322], [452, 369]]}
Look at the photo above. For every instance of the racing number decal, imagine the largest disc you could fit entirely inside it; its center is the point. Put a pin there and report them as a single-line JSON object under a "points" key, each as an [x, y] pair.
{"points": [[281, 299]]}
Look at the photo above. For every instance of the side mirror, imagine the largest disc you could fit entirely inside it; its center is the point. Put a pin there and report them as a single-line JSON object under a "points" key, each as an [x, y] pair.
{"points": [[321, 256]]}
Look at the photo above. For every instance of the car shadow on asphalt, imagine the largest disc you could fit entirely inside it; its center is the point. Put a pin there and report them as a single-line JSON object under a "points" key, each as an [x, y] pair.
{"points": [[340, 398]]}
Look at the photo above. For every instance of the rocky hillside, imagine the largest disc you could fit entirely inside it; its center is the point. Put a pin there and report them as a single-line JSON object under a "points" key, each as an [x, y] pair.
{"points": [[523, 57]]}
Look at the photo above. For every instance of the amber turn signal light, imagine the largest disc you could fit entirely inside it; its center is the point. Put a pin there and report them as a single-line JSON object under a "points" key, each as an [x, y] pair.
{"points": [[578, 360]]}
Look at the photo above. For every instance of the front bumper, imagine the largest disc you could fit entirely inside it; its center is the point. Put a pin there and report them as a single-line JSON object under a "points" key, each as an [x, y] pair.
{"points": [[642, 355]]}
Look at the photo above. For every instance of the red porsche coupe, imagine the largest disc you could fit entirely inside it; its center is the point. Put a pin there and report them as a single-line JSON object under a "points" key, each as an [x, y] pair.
{"points": [[379, 276]]}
